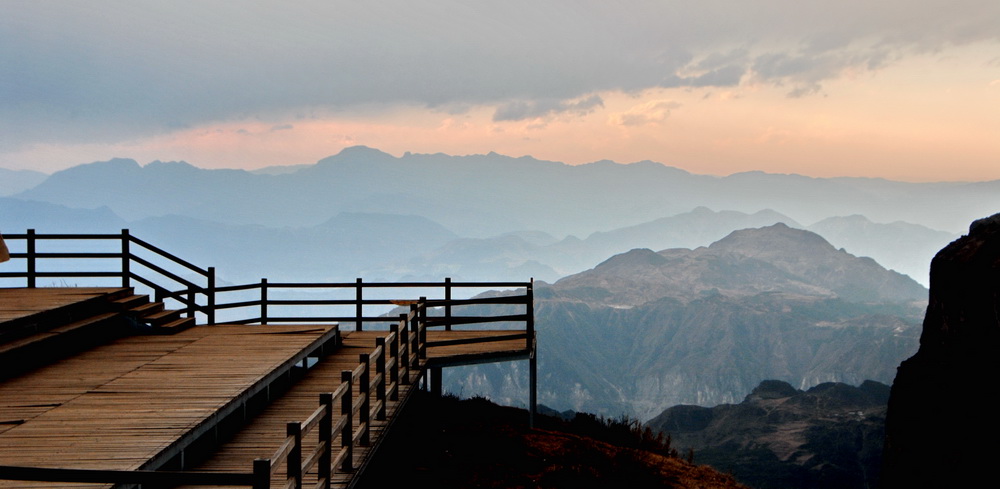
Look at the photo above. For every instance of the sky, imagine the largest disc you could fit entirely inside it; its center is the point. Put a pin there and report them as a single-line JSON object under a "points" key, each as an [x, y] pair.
{"points": [[900, 89]]}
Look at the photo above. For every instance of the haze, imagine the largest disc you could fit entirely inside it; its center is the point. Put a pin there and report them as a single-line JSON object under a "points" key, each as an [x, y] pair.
{"points": [[900, 89]]}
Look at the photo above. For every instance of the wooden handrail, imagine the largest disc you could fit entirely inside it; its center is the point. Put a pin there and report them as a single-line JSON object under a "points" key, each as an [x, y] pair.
{"points": [[203, 298]]}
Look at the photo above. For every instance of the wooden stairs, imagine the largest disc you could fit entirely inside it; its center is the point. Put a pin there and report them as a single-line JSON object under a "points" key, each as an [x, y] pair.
{"points": [[41, 339], [150, 316]]}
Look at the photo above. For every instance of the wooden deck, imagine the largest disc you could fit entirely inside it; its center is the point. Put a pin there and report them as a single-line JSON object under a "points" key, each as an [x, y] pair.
{"points": [[139, 402], [131, 404], [266, 432]]}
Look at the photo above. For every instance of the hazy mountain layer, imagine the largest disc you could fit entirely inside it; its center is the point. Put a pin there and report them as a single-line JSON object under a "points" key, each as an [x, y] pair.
{"points": [[645, 330], [440, 253], [15, 181], [904, 247], [488, 195]]}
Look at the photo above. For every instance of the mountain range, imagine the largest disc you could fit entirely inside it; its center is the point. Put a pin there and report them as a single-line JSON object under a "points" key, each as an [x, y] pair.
{"points": [[370, 244], [488, 195], [647, 330]]}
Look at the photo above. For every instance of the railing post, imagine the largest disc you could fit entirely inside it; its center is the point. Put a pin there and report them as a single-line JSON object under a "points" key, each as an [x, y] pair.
{"points": [[532, 355], [126, 259], [422, 329], [210, 313], [380, 371], [529, 311], [447, 305], [262, 473], [263, 301], [192, 303], [30, 266], [347, 411], [436, 389], [404, 342], [325, 439], [394, 354], [366, 400], [358, 310], [293, 464], [414, 341]]}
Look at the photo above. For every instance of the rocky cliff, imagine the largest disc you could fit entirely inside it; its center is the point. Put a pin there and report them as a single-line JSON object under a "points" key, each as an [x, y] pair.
{"points": [[936, 435]]}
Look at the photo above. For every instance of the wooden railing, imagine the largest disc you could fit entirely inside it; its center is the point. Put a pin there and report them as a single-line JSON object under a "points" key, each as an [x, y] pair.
{"points": [[378, 378], [136, 261]]}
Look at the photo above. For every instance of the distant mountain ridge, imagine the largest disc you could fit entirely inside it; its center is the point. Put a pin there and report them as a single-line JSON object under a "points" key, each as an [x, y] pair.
{"points": [[488, 195]]}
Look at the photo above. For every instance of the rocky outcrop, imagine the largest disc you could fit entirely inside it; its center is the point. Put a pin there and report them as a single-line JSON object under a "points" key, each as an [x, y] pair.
{"points": [[937, 434], [829, 436]]}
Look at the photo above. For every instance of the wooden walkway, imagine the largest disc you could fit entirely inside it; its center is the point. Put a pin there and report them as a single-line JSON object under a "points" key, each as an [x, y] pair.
{"points": [[262, 437], [132, 403], [143, 402]]}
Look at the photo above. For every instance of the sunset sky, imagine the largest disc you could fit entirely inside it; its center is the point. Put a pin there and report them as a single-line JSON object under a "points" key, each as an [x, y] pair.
{"points": [[901, 89]]}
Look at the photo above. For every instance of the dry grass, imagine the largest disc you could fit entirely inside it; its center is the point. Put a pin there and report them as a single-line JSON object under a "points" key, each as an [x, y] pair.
{"points": [[448, 443]]}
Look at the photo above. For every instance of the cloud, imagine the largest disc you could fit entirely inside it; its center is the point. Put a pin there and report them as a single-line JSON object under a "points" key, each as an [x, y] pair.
{"points": [[109, 71], [651, 112], [530, 109]]}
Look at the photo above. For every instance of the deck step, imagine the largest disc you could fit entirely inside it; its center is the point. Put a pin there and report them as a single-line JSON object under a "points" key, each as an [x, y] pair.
{"points": [[144, 310], [175, 326], [121, 293], [131, 301], [161, 318], [46, 346]]}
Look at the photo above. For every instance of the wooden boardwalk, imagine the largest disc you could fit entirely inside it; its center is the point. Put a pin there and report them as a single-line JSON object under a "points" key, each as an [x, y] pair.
{"points": [[150, 402], [262, 437], [131, 403]]}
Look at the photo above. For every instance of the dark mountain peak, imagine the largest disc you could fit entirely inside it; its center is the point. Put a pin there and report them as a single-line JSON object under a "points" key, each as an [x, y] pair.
{"points": [[772, 389], [985, 227]]}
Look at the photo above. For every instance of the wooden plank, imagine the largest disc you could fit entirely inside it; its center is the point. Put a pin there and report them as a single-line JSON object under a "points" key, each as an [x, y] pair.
{"points": [[117, 406]]}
